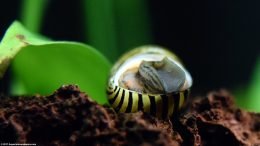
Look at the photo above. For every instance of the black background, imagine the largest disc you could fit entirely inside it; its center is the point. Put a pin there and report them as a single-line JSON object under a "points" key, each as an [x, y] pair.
{"points": [[218, 41]]}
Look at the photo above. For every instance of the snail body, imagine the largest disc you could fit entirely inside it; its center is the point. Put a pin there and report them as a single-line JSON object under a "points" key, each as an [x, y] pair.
{"points": [[149, 79]]}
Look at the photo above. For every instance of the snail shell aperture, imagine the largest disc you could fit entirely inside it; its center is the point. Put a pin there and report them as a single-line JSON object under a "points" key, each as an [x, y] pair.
{"points": [[151, 79]]}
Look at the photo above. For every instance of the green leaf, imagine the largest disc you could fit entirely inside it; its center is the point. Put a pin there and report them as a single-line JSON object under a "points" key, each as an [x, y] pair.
{"points": [[13, 41], [254, 88], [32, 13], [41, 66], [248, 96], [133, 24], [101, 35]]}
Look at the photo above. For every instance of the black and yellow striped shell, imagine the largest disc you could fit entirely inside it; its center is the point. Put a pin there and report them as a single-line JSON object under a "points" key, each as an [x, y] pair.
{"points": [[150, 79]]}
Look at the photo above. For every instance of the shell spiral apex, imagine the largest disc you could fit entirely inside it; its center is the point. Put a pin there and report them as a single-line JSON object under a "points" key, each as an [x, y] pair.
{"points": [[151, 79]]}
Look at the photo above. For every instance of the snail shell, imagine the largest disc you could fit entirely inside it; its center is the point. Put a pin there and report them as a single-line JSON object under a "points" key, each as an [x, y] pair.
{"points": [[150, 79]]}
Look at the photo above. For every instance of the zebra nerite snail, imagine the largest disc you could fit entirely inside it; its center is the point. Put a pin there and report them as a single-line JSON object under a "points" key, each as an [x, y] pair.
{"points": [[150, 79]]}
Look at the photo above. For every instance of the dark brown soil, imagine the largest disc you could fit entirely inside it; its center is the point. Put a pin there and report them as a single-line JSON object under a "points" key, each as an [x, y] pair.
{"points": [[70, 117]]}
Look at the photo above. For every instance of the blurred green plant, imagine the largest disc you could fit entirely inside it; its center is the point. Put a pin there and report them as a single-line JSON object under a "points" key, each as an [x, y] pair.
{"points": [[41, 66], [254, 88], [248, 97], [112, 26], [115, 26], [32, 14], [101, 27], [133, 24]]}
